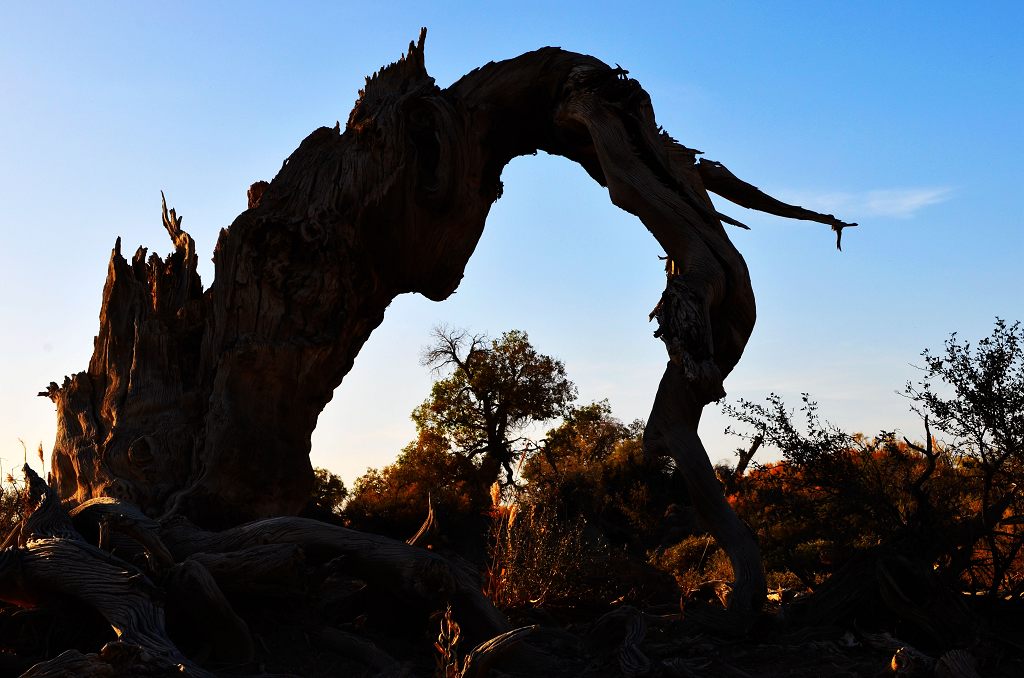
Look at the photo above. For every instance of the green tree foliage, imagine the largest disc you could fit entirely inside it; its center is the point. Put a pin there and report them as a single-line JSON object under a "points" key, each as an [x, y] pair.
{"points": [[492, 391], [473, 424], [976, 394]]}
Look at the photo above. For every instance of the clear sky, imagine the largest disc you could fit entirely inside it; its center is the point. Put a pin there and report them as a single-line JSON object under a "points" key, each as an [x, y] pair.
{"points": [[904, 117]]}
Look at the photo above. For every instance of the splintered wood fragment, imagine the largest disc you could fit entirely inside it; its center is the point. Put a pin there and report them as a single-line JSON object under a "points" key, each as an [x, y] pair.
{"points": [[718, 179], [428, 529], [482, 657]]}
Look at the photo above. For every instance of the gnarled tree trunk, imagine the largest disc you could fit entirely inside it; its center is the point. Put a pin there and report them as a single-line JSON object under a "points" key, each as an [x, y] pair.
{"points": [[199, 403]]}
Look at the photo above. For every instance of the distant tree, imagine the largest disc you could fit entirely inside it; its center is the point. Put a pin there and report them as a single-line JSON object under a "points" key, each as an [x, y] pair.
{"points": [[329, 491], [492, 392], [588, 435], [470, 428]]}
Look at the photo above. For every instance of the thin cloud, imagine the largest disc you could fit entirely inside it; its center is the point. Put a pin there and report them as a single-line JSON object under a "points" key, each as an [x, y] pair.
{"points": [[904, 203], [895, 203]]}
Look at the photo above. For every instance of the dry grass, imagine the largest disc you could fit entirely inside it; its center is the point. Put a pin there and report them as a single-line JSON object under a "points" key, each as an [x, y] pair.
{"points": [[539, 557], [447, 647]]}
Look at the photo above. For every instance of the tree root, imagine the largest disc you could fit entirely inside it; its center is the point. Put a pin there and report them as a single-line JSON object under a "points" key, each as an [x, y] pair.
{"points": [[192, 572], [414, 573]]}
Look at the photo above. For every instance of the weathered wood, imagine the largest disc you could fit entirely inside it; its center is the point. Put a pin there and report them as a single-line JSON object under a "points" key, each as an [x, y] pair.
{"points": [[362, 650], [480, 659], [114, 660], [199, 404], [272, 570], [203, 403], [194, 594], [51, 557], [414, 573]]}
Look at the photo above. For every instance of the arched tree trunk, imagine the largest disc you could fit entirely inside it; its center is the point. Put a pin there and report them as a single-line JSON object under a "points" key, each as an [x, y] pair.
{"points": [[200, 403]]}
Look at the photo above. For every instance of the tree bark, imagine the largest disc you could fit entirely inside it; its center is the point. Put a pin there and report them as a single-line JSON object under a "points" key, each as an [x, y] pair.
{"points": [[199, 403], [202, 402]]}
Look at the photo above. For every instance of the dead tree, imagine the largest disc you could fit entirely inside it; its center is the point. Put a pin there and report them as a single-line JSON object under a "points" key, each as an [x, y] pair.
{"points": [[198, 404]]}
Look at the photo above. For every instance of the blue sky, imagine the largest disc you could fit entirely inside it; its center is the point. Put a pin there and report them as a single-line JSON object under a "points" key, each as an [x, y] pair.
{"points": [[903, 117]]}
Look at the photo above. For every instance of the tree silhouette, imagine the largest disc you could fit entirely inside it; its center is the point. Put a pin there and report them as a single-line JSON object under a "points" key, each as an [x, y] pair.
{"points": [[494, 390]]}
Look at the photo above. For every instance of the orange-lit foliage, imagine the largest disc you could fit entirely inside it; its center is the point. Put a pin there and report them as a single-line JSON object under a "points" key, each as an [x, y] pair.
{"points": [[593, 466], [811, 517], [957, 508], [393, 500], [540, 557]]}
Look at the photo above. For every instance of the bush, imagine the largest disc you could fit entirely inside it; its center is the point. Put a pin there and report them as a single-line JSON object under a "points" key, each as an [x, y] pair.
{"points": [[593, 465], [393, 500], [956, 508], [694, 561]]}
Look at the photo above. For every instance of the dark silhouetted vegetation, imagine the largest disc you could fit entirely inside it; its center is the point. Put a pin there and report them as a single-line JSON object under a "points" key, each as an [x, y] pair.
{"points": [[583, 520], [493, 390], [393, 500], [955, 504], [470, 431], [328, 496]]}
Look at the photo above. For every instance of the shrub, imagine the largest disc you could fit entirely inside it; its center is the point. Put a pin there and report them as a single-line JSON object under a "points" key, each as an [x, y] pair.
{"points": [[956, 507], [694, 561], [393, 500]]}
